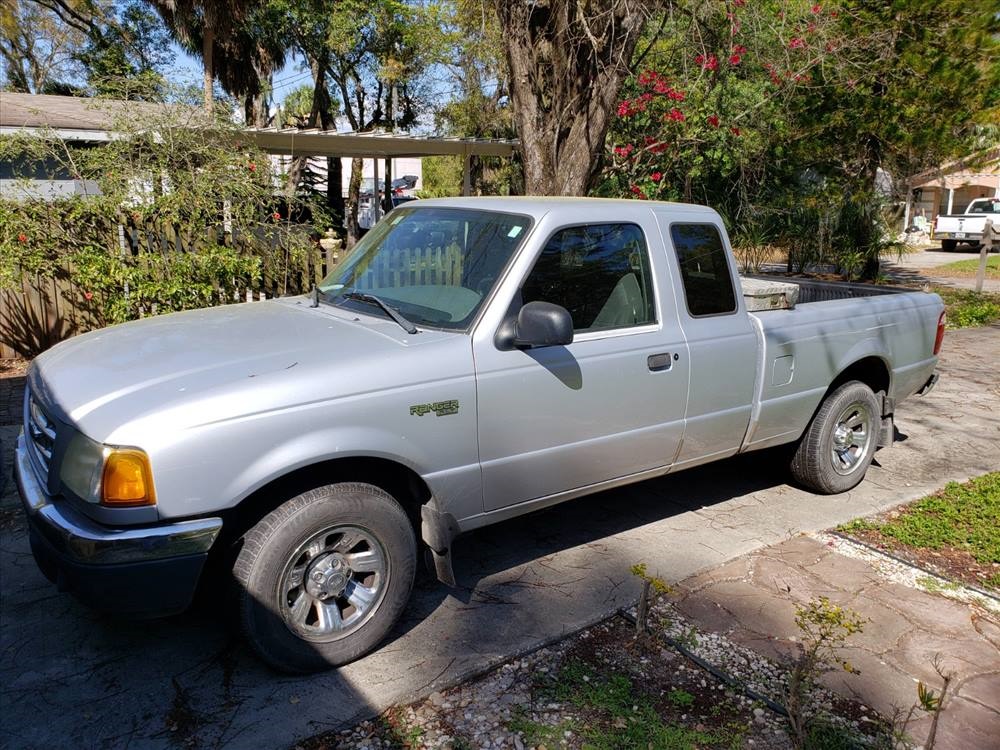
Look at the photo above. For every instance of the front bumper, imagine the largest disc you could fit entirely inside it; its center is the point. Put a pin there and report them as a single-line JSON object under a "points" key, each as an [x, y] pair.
{"points": [[143, 572]]}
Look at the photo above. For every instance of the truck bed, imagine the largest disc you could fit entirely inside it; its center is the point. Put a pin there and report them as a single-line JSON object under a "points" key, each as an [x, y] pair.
{"points": [[825, 291], [831, 326]]}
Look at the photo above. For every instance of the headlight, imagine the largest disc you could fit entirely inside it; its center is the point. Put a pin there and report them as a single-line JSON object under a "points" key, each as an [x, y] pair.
{"points": [[114, 477], [82, 466]]}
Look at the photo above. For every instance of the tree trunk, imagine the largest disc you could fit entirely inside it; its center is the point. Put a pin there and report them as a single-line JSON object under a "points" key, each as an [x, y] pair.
{"points": [[206, 52], [568, 61]]}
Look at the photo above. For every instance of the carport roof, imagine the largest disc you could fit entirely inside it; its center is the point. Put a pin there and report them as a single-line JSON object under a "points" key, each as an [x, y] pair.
{"points": [[79, 118]]}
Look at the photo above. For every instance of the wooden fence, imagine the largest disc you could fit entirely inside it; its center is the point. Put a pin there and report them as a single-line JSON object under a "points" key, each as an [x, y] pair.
{"points": [[47, 309]]}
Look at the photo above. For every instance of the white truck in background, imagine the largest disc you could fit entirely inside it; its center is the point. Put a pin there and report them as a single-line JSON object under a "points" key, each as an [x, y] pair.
{"points": [[967, 228]]}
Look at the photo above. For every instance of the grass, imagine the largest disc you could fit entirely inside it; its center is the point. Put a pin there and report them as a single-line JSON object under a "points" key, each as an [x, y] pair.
{"points": [[969, 267], [964, 517], [967, 309], [619, 716]]}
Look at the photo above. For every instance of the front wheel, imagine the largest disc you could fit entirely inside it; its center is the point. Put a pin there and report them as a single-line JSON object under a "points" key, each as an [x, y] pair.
{"points": [[840, 442], [949, 245], [324, 577]]}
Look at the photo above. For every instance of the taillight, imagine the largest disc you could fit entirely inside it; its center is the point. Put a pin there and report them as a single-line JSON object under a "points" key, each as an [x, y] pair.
{"points": [[940, 334]]}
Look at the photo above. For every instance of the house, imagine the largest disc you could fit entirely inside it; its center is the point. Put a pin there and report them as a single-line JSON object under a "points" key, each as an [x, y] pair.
{"points": [[948, 189], [91, 121]]}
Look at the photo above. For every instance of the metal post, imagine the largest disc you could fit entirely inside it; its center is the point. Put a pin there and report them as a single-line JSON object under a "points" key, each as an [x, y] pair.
{"points": [[467, 174], [908, 208], [376, 203], [388, 184]]}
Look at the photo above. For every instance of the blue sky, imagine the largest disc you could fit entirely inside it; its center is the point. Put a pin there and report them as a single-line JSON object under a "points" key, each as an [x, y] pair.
{"points": [[288, 78]]}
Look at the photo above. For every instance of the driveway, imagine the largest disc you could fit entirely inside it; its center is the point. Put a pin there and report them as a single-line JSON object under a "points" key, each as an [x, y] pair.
{"points": [[73, 678], [910, 268]]}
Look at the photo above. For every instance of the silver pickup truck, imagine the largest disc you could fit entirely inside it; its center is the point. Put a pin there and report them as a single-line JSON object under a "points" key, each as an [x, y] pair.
{"points": [[470, 360]]}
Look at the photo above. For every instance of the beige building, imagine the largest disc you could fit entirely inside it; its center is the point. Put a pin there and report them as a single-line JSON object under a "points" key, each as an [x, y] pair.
{"points": [[948, 189]]}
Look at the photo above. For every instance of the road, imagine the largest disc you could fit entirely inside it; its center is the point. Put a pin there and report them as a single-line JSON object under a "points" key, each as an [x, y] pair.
{"points": [[72, 678]]}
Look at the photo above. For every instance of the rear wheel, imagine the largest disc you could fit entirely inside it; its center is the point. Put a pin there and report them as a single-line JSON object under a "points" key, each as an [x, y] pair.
{"points": [[323, 578], [840, 442], [949, 245]]}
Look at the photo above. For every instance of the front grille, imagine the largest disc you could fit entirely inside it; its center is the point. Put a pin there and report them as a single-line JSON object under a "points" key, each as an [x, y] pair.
{"points": [[41, 432]]}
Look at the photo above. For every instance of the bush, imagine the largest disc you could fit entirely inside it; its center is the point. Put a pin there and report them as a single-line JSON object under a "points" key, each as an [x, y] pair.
{"points": [[180, 212]]}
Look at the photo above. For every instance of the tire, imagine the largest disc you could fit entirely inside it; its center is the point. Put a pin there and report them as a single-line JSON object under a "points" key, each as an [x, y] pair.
{"points": [[949, 245], [323, 578], [832, 457]]}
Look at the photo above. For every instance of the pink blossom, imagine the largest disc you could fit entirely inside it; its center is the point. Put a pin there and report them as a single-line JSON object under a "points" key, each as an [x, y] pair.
{"points": [[713, 120], [734, 59], [817, 9], [656, 176], [675, 114], [796, 43], [735, 131], [88, 296]]}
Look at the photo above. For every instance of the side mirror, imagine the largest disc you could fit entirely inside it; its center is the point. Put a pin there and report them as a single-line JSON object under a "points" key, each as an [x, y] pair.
{"points": [[542, 324]]}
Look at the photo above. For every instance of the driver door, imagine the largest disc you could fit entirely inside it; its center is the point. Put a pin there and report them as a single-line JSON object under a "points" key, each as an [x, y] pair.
{"points": [[609, 405]]}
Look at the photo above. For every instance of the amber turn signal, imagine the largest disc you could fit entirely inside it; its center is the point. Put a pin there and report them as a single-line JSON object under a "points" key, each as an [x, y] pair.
{"points": [[127, 480]]}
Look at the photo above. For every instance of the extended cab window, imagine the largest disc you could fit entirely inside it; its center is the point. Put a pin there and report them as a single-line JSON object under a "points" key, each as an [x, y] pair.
{"points": [[599, 272], [708, 285]]}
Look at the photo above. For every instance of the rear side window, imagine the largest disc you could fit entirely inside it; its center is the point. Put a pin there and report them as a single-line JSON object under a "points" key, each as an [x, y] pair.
{"points": [[708, 285], [599, 272]]}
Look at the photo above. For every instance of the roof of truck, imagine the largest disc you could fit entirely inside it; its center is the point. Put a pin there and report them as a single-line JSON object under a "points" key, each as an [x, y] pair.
{"points": [[539, 205]]}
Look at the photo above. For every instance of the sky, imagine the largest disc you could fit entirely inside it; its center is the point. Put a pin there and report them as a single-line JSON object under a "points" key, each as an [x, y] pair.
{"points": [[287, 79]]}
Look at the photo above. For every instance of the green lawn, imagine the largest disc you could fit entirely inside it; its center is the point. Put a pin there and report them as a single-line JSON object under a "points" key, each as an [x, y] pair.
{"points": [[961, 518], [966, 309], [969, 268]]}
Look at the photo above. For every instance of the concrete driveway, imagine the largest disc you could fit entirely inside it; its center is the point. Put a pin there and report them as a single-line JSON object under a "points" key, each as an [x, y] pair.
{"points": [[912, 268], [72, 678]]}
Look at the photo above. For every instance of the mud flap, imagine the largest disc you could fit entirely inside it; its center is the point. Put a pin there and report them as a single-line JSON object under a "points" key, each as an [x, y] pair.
{"points": [[886, 432], [438, 530]]}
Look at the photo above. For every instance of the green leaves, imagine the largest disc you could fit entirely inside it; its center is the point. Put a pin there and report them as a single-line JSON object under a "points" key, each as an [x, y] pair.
{"points": [[184, 214]]}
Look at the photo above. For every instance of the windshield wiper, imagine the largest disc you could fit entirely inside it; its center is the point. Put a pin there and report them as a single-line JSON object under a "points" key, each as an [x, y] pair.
{"points": [[390, 311]]}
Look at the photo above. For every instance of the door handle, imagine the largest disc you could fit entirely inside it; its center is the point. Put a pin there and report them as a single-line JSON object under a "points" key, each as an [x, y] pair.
{"points": [[659, 362]]}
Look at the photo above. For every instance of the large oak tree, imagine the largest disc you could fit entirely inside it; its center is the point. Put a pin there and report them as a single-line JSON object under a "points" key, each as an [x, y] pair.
{"points": [[567, 60]]}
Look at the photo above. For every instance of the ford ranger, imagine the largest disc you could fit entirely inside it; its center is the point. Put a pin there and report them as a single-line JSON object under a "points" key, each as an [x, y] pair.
{"points": [[470, 360]]}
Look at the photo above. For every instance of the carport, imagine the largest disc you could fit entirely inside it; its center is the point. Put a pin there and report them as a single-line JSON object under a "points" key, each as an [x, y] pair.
{"points": [[378, 146]]}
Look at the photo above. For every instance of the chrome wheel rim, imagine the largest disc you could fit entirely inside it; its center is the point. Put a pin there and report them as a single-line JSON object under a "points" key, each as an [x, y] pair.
{"points": [[852, 436], [332, 583]]}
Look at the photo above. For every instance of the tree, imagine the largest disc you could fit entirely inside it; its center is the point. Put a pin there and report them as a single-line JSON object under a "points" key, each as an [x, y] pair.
{"points": [[475, 58], [85, 47], [567, 62], [223, 33], [38, 48]]}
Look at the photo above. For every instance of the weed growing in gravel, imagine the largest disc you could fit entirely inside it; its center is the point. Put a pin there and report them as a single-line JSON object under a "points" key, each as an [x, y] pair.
{"points": [[680, 698], [621, 717], [825, 628]]}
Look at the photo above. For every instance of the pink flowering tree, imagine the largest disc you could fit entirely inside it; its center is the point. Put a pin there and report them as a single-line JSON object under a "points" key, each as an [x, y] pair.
{"points": [[711, 96]]}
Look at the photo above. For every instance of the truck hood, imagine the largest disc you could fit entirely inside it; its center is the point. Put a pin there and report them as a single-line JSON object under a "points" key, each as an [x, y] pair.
{"points": [[190, 368]]}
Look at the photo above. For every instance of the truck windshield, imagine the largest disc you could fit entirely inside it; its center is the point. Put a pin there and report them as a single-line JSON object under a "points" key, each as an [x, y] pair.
{"points": [[434, 265]]}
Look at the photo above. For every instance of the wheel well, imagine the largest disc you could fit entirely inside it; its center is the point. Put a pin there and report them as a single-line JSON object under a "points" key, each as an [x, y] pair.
{"points": [[871, 371], [398, 480]]}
